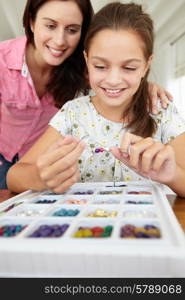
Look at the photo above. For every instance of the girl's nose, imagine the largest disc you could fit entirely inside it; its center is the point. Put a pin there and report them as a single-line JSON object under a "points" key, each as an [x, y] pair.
{"points": [[114, 78]]}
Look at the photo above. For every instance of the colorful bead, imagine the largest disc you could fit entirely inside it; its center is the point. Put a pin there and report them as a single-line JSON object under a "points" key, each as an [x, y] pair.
{"points": [[76, 201], [11, 230], [88, 192], [147, 231], [97, 150], [103, 213], [112, 192], [49, 231], [139, 193], [10, 207], [66, 213], [138, 202], [94, 232], [46, 201], [29, 213]]}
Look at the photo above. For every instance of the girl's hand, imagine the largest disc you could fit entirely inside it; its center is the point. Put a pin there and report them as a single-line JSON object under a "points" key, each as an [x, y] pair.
{"points": [[58, 167], [147, 157], [157, 93]]}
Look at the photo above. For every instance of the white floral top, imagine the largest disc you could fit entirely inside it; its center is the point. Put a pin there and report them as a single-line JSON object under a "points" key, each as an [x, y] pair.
{"points": [[79, 118]]}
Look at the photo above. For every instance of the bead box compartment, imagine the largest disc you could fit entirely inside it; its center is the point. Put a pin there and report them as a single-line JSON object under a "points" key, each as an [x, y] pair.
{"points": [[46, 222], [133, 212], [15, 222], [92, 209], [76, 199], [28, 210], [43, 199], [52, 211], [137, 200], [94, 257]]}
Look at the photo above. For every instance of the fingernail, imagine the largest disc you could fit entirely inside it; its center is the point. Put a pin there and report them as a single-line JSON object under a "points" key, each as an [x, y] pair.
{"points": [[125, 154]]}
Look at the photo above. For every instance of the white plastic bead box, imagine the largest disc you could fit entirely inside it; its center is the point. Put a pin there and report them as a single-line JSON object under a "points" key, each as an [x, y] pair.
{"points": [[92, 230]]}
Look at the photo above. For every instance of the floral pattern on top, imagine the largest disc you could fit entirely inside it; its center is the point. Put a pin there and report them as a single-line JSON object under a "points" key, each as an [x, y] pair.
{"points": [[79, 118]]}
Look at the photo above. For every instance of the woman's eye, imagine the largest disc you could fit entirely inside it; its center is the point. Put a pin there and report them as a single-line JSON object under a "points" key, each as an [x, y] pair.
{"points": [[72, 30], [50, 26]]}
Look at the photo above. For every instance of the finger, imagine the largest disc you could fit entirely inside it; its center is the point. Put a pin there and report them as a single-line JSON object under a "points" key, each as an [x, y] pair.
{"points": [[137, 150], [127, 140], [153, 97], [165, 154], [62, 164], [58, 179], [169, 96], [118, 154], [149, 155], [55, 154], [163, 98], [62, 141], [66, 184], [68, 139]]}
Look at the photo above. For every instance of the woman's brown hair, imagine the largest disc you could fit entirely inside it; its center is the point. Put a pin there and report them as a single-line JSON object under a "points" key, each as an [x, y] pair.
{"points": [[119, 16], [67, 79]]}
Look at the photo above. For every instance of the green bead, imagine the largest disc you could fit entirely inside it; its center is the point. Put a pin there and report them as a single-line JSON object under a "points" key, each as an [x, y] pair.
{"points": [[105, 234], [108, 228]]}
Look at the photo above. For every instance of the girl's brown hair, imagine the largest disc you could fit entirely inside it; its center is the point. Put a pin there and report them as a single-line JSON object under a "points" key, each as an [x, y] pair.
{"points": [[119, 16], [67, 79]]}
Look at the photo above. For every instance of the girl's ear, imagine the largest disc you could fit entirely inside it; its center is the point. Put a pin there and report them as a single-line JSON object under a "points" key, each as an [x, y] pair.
{"points": [[148, 64], [150, 60], [31, 25]]}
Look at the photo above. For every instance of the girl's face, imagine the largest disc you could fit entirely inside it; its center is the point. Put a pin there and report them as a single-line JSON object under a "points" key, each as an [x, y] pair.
{"points": [[57, 31], [116, 65]]}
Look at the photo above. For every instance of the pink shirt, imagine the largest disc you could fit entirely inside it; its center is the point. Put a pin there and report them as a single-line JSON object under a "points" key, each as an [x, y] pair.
{"points": [[23, 116]]}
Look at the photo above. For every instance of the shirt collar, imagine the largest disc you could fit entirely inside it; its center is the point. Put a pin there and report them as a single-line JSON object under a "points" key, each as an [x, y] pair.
{"points": [[15, 57]]}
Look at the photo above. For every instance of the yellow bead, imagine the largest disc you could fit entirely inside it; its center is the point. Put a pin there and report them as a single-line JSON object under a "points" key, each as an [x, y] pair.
{"points": [[87, 233], [78, 233]]}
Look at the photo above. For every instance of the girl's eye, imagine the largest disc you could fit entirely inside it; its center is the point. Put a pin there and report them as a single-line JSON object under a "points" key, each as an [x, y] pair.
{"points": [[99, 67], [130, 69]]}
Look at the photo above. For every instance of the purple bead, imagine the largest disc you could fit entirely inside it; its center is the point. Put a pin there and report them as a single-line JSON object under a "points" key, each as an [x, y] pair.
{"points": [[141, 235], [150, 227], [97, 150]]}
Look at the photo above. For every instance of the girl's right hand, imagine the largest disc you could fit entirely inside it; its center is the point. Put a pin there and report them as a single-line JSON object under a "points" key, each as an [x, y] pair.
{"points": [[58, 166]]}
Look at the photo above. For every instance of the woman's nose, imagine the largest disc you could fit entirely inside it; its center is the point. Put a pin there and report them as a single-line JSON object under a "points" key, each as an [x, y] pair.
{"points": [[60, 39]]}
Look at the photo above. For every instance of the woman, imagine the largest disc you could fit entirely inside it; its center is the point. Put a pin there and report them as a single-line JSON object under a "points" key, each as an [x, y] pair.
{"points": [[40, 72]]}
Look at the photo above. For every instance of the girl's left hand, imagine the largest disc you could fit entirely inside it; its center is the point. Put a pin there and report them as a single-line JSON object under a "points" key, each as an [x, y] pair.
{"points": [[147, 157], [157, 93]]}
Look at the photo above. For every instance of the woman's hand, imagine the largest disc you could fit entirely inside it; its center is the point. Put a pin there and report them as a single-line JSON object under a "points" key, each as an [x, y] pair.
{"points": [[147, 157], [58, 167], [157, 93]]}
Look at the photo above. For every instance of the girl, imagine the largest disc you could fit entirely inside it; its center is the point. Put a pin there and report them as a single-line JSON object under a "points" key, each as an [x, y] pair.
{"points": [[40, 72], [118, 53]]}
